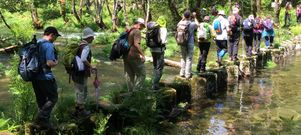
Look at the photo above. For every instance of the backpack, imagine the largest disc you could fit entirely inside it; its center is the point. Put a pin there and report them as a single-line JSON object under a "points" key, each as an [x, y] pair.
{"points": [[247, 25], [204, 32], [153, 38], [69, 58], [268, 25], [120, 46], [258, 23], [299, 11], [217, 26], [182, 34], [30, 65], [234, 23]]}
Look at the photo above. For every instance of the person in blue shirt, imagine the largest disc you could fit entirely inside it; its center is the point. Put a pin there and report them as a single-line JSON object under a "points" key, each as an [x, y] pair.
{"points": [[44, 84]]}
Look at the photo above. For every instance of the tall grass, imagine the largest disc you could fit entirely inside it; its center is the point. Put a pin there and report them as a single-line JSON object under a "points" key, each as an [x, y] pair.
{"points": [[24, 107]]}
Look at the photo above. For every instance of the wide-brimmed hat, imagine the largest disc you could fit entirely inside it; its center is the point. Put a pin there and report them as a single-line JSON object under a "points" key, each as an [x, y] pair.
{"points": [[221, 12], [88, 32]]}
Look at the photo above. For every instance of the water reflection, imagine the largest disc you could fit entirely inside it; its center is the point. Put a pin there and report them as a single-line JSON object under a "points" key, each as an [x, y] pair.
{"points": [[217, 127]]}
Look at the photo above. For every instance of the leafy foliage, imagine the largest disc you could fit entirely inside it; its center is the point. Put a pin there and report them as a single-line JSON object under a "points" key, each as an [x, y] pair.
{"points": [[24, 100]]}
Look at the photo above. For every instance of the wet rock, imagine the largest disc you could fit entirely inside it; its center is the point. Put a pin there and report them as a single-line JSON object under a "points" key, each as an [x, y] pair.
{"points": [[245, 68], [183, 88], [232, 73], [198, 93], [221, 79], [168, 98], [211, 83]]}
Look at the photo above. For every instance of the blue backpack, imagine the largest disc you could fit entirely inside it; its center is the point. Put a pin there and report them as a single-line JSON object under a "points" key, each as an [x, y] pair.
{"points": [[120, 46], [30, 65], [217, 26], [247, 25]]}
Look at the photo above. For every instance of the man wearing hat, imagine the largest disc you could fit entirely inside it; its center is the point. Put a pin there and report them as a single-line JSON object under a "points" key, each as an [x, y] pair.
{"points": [[134, 61], [80, 77], [44, 84], [221, 36]]}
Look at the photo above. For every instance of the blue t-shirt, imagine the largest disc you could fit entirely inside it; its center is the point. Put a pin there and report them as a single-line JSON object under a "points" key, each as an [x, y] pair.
{"points": [[192, 28], [47, 52]]}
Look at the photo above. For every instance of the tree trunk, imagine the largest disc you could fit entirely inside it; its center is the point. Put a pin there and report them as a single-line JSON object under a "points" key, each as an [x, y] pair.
{"points": [[277, 10], [81, 5], [35, 18], [88, 5], [258, 6], [174, 11], [147, 12], [75, 14], [108, 8], [125, 13], [114, 17], [4, 21], [253, 7], [63, 10], [167, 62], [98, 16]]}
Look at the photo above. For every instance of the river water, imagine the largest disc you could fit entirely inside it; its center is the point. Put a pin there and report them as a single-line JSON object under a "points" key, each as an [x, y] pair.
{"points": [[268, 103]]}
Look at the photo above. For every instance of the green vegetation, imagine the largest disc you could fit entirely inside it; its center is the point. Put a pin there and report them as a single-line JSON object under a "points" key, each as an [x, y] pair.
{"points": [[271, 64], [24, 106]]}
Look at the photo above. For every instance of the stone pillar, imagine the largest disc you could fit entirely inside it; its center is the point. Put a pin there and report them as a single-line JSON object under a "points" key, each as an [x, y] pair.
{"points": [[221, 79], [211, 83], [232, 73], [198, 93]]}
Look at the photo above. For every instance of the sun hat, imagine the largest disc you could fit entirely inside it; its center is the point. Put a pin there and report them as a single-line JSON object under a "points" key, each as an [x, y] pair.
{"points": [[221, 12], [88, 32]]}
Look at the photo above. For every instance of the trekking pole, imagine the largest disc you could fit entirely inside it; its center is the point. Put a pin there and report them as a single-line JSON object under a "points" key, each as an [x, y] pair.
{"points": [[96, 84]]}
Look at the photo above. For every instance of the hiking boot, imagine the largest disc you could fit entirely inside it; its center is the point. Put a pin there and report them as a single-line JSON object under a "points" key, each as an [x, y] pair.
{"points": [[42, 124], [81, 113]]}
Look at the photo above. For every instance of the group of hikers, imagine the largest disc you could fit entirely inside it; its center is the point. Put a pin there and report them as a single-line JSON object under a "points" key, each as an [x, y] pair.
{"points": [[222, 30]]}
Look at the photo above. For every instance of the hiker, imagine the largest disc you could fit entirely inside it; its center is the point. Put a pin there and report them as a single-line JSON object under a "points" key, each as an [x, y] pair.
{"points": [[44, 84], [298, 13], [257, 30], [287, 16], [205, 34], [268, 32], [248, 25], [158, 49], [134, 61], [80, 78], [235, 27], [221, 28], [188, 28]]}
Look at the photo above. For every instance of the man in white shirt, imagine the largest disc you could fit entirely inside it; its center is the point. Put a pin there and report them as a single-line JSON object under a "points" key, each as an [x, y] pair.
{"points": [[221, 36]]}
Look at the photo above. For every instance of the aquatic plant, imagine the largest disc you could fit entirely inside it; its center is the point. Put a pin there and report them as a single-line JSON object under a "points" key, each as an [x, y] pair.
{"points": [[288, 124], [270, 64]]}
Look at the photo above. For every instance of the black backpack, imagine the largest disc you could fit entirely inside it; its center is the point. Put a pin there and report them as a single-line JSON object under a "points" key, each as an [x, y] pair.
{"points": [[153, 38], [30, 65], [120, 46]]}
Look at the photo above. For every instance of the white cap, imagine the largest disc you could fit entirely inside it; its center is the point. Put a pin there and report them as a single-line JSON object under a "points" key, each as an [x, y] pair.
{"points": [[140, 20], [221, 12], [88, 32]]}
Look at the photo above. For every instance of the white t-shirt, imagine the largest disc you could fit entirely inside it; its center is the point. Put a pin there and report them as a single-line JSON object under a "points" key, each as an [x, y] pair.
{"points": [[225, 28]]}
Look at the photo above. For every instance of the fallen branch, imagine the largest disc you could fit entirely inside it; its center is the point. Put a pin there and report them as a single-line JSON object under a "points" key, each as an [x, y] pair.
{"points": [[167, 62]]}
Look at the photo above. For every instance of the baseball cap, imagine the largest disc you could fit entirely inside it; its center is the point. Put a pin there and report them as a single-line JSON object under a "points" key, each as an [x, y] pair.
{"points": [[51, 30], [140, 21]]}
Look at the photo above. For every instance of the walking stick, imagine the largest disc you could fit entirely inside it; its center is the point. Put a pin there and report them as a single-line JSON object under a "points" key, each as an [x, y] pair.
{"points": [[96, 84]]}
